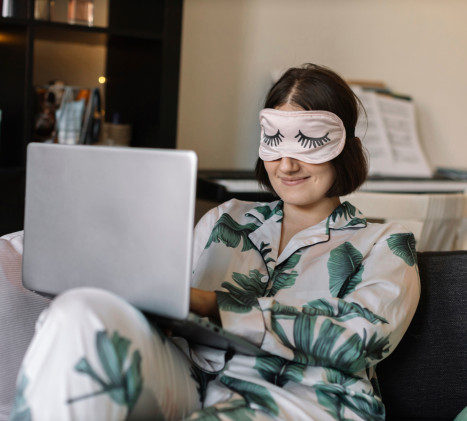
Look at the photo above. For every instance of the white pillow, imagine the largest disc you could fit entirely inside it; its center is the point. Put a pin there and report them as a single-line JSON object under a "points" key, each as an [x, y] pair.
{"points": [[19, 310]]}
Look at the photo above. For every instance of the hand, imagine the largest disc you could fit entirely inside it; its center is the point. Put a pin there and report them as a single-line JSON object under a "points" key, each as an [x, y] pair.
{"points": [[204, 303]]}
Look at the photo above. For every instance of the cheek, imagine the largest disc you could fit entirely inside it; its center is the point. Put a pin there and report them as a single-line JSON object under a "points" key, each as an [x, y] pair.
{"points": [[324, 171], [331, 178], [326, 176], [270, 167], [327, 170], [331, 175]]}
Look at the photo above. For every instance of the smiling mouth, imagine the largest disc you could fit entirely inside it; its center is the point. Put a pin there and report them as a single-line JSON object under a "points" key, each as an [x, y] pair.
{"points": [[293, 181]]}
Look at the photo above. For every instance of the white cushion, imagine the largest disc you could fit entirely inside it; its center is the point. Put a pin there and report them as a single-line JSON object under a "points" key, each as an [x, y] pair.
{"points": [[19, 309]]}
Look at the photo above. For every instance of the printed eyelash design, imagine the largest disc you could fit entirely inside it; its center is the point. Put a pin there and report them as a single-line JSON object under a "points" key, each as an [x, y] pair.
{"points": [[276, 139], [309, 142]]}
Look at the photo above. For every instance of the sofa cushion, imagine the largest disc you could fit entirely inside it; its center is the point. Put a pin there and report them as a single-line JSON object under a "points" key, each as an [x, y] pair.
{"points": [[426, 376]]}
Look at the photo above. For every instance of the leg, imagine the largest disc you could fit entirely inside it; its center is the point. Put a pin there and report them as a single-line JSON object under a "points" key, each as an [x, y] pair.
{"points": [[96, 357]]}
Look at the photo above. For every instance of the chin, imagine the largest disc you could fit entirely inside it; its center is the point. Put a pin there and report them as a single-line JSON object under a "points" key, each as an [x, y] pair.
{"points": [[299, 200]]}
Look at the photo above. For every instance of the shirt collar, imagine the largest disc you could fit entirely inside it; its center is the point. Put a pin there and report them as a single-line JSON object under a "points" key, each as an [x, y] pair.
{"points": [[267, 212], [345, 216], [269, 216]]}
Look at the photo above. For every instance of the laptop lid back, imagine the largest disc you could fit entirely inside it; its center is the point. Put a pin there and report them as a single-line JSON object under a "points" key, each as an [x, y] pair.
{"points": [[116, 218]]}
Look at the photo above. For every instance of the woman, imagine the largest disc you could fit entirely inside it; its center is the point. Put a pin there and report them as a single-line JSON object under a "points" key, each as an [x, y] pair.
{"points": [[305, 278]]}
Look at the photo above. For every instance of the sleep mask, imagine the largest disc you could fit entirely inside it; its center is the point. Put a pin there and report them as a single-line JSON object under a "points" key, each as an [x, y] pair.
{"points": [[309, 136]]}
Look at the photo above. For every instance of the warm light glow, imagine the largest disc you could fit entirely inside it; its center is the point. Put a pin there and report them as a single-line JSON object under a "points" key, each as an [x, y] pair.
{"points": [[8, 38], [102, 80]]}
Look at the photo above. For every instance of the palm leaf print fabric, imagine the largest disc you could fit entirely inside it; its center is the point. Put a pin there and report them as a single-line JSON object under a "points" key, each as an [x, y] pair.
{"points": [[403, 245], [331, 394], [242, 297], [122, 384], [21, 410], [231, 233], [345, 269], [254, 395], [321, 349], [235, 409], [284, 275], [349, 213], [335, 302], [279, 371]]}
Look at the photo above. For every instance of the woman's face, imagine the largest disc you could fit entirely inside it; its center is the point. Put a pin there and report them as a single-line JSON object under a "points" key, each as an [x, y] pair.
{"points": [[299, 183]]}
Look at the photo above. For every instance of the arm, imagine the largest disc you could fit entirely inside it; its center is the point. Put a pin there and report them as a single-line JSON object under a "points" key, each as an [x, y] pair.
{"points": [[204, 303]]}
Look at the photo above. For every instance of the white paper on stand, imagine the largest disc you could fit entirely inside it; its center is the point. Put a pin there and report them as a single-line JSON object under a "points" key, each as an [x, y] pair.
{"points": [[389, 133]]}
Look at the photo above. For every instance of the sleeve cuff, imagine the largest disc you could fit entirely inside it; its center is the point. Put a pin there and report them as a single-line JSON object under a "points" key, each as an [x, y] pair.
{"points": [[248, 324]]}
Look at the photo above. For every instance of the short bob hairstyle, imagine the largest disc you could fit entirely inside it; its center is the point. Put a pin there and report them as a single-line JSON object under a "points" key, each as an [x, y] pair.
{"points": [[314, 87]]}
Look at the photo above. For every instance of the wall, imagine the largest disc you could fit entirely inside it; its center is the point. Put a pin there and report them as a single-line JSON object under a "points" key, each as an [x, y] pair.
{"points": [[232, 48]]}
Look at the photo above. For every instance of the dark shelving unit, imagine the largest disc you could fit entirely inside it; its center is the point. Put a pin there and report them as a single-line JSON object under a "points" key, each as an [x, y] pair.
{"points": [[142, 44]]}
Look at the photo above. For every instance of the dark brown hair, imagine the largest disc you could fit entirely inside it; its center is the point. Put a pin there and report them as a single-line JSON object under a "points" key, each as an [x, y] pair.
{"points": [[314, 87]]}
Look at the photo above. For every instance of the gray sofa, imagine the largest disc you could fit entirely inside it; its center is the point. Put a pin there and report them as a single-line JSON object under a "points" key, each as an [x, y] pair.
{"points": [[424, 379]]}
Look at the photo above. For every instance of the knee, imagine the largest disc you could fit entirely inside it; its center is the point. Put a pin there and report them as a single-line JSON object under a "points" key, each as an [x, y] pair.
{"points": [[88, 306], [83, 300]]}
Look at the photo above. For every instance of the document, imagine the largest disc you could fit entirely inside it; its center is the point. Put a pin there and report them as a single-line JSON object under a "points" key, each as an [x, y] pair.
{"points": [[388, 130]]}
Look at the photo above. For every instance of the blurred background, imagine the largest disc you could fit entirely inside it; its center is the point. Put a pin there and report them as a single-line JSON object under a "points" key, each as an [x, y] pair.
{"points": [[232, 50]]}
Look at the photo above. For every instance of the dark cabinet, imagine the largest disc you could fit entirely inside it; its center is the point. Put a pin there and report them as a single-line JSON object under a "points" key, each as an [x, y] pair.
{"points": [[142, 48], [141, 44]]}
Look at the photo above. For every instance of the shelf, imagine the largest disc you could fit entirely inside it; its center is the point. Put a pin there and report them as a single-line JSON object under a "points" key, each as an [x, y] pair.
{"points": [[69, 27], [14, 21], [63, 32], [85, 34], [138, 52]]}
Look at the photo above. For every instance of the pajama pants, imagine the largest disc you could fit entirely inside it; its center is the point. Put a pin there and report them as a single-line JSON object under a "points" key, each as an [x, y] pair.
{"points": [[95, 357]]}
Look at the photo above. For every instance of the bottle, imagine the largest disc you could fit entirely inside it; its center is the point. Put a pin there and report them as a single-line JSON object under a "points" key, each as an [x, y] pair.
{"points": [[42, 10], [81, 12]]}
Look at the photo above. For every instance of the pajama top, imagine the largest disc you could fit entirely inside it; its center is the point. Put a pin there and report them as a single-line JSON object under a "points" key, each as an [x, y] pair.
{"points": [[337, 300]]}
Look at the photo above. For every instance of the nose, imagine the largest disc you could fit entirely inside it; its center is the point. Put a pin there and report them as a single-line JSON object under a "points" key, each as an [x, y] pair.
{"points": [[288, 165]]}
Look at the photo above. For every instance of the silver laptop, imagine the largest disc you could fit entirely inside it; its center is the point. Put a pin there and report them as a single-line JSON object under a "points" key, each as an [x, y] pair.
{"points": [[120, 219]]}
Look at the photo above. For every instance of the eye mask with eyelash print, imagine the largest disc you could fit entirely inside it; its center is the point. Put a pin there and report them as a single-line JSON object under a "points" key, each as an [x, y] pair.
{"points": [[309, 136]]}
